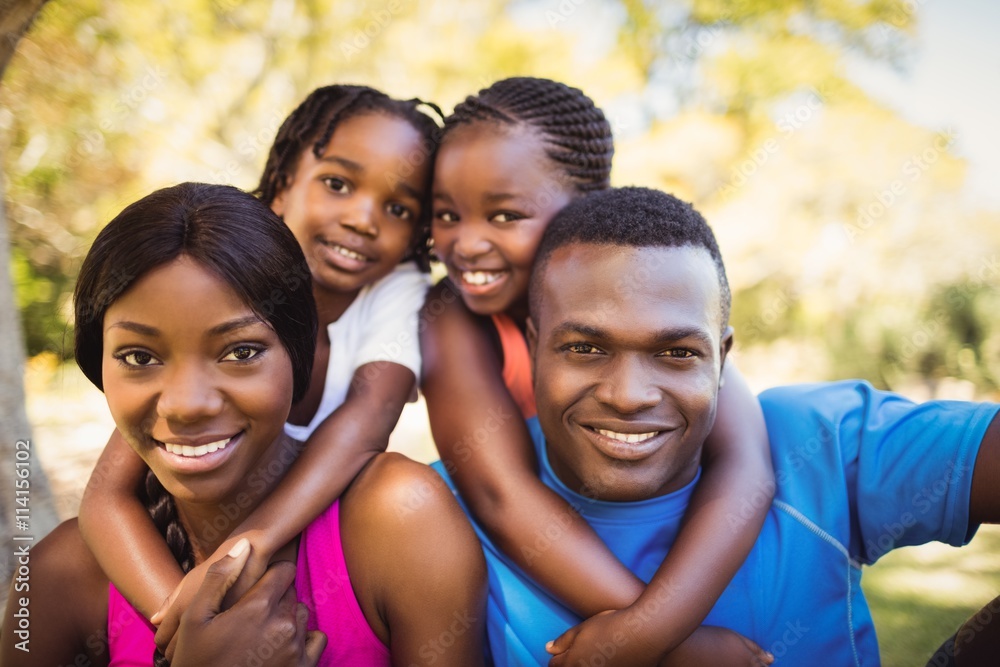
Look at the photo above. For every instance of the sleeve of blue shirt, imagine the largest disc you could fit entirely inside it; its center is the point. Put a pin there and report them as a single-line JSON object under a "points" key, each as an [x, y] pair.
{"points": [[907, 467]]}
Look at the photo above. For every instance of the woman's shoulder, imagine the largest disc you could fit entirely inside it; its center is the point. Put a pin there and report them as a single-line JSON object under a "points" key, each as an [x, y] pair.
{"points": [[404, 537], [68, 595]]}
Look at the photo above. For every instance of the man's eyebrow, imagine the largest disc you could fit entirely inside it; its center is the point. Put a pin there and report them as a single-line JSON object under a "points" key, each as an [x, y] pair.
{"points": [[135, 327], [579, 328], [674, 334], [668, 335], [233, 325]]}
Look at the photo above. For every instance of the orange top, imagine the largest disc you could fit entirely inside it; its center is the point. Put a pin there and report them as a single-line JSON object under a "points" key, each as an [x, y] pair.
{"points": [[516, 364]]}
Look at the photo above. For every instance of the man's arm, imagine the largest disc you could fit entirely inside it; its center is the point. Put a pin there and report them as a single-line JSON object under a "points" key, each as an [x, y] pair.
{"points": [[984, 502]]}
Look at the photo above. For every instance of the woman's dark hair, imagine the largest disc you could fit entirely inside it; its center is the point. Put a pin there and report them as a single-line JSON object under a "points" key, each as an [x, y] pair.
{"points": [[230, 233], [312, 124], [577, 134], [224, 229]]}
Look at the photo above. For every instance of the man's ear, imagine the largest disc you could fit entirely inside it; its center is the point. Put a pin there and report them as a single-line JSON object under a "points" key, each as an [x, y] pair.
{"points": [[725, 345], [531, 333]]}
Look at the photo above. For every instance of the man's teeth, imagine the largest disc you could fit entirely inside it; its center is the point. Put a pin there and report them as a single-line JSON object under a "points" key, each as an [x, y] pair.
{"points": [[627, 437], [200, 450], [481, 277], [346, 252]]}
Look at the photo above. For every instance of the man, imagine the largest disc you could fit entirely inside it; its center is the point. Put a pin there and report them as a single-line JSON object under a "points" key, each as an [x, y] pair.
{"points": [[629, 332]]}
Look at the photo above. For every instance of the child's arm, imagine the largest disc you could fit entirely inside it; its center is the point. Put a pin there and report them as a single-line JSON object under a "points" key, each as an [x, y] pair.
{"points": [[487, 450], [726, 513], [330, 459], [114, 523]]}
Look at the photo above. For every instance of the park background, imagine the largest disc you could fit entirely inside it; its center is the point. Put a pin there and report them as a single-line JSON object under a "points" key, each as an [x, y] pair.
{"points": [[845, 151]]}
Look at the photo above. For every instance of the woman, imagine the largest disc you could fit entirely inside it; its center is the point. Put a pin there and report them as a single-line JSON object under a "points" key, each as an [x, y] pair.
{"points": [[193, 318]]}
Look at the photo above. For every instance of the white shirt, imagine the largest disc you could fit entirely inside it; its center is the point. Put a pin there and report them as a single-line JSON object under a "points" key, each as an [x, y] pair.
{"points": [[379, 325]]}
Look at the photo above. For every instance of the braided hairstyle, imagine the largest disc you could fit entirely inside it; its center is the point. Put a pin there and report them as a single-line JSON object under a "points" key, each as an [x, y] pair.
{"points": [[576, 133], [311, 125]]}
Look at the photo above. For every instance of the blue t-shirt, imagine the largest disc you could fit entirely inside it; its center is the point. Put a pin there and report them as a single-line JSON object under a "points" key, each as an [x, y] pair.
{"points": [[859, 472]]}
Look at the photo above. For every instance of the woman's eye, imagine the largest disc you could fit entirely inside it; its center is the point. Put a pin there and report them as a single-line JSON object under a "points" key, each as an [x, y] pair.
{"points": [[446, 216], [335, 184], [400, 211], [242, 353], [137, 358], [582, 348]]}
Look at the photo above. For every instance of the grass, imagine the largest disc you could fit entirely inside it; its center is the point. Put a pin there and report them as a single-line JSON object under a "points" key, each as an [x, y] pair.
{"points": [[920, 595]]}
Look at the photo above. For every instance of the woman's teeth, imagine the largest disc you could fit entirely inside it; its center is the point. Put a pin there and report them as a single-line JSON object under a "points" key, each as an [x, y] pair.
{"points": [[481, 277], [627, 437], [200, 450]]}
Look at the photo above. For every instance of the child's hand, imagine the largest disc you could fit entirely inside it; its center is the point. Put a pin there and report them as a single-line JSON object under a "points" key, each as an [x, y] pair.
{"points": [[711, 646], [610, 634], [269, 609], [618, 638], [168, 616]]}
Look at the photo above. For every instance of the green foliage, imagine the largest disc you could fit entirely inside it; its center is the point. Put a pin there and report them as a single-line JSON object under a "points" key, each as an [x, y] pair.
{"points": [[742, 106]]}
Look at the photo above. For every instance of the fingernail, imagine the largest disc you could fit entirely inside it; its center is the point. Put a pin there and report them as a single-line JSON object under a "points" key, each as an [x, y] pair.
{"points": [[549, 645], [239, 548]]}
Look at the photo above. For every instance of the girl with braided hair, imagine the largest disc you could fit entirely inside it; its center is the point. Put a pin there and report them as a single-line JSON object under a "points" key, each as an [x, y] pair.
{"points": [[187, 321], [511, 157], [349, 173]]}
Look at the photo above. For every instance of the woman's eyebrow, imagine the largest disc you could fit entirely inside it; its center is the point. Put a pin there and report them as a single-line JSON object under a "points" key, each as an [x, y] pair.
{"points": [[234, 324], [135, 327]]}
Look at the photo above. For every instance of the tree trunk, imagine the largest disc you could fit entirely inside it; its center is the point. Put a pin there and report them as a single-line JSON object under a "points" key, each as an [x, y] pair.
{"points": [[15, 19]]}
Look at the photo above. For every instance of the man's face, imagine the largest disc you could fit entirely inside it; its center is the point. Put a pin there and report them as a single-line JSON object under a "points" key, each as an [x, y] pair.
{"points": [[628, 348]]}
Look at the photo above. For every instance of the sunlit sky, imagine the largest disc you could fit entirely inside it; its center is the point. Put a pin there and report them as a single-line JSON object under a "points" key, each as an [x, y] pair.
{"points": [[952, 82]]}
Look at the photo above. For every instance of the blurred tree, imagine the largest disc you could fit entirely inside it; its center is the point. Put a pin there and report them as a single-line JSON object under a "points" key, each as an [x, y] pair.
{"points": [[15, 19]]}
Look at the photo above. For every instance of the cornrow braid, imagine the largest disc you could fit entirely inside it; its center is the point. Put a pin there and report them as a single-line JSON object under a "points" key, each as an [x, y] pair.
{"points": [[312, 124], [163, 511], [577, 134]]}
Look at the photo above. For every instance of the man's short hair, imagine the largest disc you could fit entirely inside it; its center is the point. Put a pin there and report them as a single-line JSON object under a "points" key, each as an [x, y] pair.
{"points": [[631, 217]]}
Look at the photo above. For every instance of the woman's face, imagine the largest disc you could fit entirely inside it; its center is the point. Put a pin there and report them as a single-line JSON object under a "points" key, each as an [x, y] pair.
{"points": [[197, 383]]}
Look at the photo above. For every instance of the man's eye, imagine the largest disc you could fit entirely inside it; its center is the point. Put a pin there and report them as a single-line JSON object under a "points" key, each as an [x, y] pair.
{"points": [[582, 348], [242, 353], [335, 184], [679, 353]]}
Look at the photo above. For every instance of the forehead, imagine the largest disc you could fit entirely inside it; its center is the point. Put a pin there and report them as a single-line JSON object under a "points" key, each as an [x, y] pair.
{"points": [[375, 137], [181, 296], [500, 155], [630, 291]]}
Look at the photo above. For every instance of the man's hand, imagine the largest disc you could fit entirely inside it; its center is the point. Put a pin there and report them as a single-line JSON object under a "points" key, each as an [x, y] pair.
{"points": [[267, 621], [617, 636], [168, 617]]}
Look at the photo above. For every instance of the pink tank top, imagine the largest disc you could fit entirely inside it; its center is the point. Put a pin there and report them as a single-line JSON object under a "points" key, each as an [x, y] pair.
{"points": [[322, 583], [516, 364]]}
